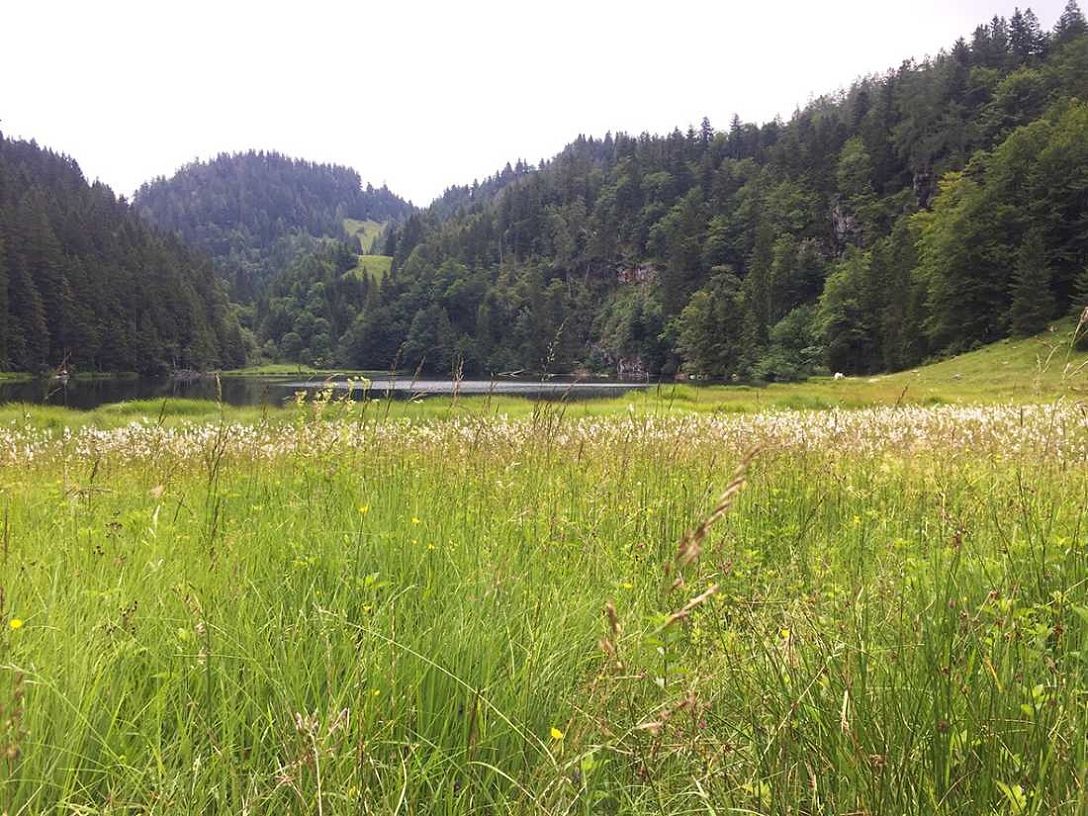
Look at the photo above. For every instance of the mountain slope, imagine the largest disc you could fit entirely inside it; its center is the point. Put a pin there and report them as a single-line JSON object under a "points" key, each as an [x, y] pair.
{"points": [[924, 211], [255, 212], [84, 282]]}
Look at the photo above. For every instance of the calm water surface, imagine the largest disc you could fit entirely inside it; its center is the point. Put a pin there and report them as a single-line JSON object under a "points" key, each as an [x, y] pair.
{"points": [[243, 391]]}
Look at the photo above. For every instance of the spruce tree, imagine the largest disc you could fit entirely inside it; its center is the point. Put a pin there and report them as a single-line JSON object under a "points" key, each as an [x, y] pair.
{"points": [[1080, 309], [3, 309], [1071, 24], [1032, 304], [1025, 35], [1080, 292]]}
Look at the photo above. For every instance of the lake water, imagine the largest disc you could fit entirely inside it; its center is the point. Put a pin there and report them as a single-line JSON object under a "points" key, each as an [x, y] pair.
{"points": [[88, 394]]}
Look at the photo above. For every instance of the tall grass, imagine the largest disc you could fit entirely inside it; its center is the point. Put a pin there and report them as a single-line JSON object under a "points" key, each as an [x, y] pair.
{"points": [[469, 616]]}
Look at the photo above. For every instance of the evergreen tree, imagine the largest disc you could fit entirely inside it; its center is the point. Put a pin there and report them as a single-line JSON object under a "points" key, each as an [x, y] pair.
{"points": [[3, 307], [255, 212], [1071, 24], [1080, 310], [84, 282], [1032, 304], [1080, 292], [706, 132], [929, 177], [1025, 36], [846, 315], [714, 336]]}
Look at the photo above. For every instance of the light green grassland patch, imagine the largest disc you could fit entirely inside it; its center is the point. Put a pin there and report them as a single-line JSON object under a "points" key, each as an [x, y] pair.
{"points": [[366, 231], [374, 267]]}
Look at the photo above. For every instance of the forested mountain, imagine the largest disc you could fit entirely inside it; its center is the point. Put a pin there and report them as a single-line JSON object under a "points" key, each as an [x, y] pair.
{"points": [[935, 207], [84, 282], [256, 212]]}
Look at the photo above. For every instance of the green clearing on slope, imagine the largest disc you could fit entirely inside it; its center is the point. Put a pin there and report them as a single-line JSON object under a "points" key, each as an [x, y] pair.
{"points": [[366, 231], [374, 267]]}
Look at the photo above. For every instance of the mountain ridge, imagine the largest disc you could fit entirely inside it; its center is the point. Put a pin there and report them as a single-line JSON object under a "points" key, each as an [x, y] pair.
{"points": [[829, 242], [85, 283]]}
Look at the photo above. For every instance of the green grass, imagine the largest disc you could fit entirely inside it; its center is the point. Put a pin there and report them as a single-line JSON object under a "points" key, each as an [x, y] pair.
{"points": [[294, 370], [173, 413], [389, 621], [1039, 368], [367, 231], [463, 606], [375, 267]]}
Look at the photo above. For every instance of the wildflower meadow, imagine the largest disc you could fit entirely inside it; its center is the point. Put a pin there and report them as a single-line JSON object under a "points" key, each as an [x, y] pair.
{"points": [[872, 611]]}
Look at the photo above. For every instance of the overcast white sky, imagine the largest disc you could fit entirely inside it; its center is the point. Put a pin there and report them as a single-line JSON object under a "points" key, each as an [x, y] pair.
{"points": [[423, 95]]}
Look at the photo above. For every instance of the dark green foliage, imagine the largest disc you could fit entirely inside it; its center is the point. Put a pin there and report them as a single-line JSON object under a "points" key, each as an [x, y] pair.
{"points": [[1032, 305], [715, 328], [1080, 292], [870, 231], [795, 349], [1026, 39], [1080, 308], [309, 308], [85, 283], [1034, 183], [847, 315], [1071, 24]]}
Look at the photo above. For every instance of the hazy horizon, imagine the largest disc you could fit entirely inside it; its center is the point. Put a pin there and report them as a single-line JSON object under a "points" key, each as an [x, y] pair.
{"points": [[423, 97]]}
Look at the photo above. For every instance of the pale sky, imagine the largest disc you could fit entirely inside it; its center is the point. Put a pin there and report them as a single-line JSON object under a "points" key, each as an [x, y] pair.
{"points": [[423, 95]]}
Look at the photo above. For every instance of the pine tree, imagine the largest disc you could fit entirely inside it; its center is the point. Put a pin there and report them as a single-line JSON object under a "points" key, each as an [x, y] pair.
{"points": [[1080, 292], [3, 308], [706, 132], [1032, 304], [1080, 309], [83, 279], [1071, 24], [1025, 35]]}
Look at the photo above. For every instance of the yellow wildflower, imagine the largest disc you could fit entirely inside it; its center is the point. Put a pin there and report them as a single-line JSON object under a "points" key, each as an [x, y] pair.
{"points": [[557, 735], [16, 623]]}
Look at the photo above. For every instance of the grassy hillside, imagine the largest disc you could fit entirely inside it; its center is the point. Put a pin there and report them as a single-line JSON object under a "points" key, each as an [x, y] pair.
{"points": [[374, 266], [1039, 368], [365, 231]]}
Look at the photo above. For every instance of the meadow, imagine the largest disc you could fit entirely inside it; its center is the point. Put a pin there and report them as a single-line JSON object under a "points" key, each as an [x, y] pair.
{"points": [[372, 266], [639, 607]]}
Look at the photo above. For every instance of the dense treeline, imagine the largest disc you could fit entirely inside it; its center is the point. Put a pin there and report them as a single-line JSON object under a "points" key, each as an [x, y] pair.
{"points": [[85, 283], [312, 304], [938, 206], [254, 212]]}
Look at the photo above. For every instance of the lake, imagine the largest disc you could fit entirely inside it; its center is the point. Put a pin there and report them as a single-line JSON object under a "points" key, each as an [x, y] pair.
{"points": [[269, 390]]}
